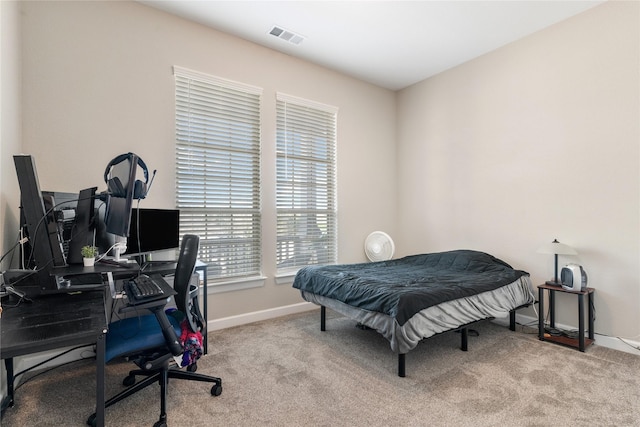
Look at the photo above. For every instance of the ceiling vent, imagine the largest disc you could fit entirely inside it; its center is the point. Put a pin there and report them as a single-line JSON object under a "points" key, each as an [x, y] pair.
{"points": [[286, 35]]}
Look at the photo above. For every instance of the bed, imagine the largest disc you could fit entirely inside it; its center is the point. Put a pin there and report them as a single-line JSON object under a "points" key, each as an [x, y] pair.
{"points": [[415, 297]]}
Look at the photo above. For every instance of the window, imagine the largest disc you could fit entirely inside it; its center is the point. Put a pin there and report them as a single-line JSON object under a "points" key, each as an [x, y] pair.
{"points": [[218, 171], [306, 183]]}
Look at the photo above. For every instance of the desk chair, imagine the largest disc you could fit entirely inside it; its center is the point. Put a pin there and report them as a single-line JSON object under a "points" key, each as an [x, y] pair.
{"points": [[151, 341]]}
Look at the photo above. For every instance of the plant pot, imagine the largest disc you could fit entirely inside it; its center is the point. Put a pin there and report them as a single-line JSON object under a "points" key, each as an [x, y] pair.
{"points": [[89, 262]]}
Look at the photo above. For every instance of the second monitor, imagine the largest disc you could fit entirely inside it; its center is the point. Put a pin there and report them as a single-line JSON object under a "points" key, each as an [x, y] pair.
{"points": [[153, 230]]}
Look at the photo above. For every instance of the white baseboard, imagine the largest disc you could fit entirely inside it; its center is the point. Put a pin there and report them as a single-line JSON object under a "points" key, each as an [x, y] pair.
{"points": [[227, 322], [21, 363], [26, 361], [256, 316], [614, 343]]}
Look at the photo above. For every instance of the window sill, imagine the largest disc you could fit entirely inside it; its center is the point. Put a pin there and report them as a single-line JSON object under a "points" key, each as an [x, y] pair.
{"points": [[285, 278], [235, 285]]}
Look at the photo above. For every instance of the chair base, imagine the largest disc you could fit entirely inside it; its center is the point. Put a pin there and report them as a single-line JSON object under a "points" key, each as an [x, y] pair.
{"points": [[161, 376]]}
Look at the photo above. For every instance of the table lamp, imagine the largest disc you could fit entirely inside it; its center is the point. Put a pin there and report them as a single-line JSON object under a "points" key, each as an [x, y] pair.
{"points": [[556, 248]]}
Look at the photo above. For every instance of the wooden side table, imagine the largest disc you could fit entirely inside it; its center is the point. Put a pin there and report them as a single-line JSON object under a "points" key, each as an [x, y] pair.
{"points": [[581, 342]]}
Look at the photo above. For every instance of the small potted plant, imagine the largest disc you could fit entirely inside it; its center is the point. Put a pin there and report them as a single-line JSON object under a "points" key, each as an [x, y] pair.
{"points": [[89, 254]]}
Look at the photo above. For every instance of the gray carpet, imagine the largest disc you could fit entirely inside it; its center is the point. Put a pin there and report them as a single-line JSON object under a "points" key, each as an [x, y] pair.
{"points": [[285, 372]]}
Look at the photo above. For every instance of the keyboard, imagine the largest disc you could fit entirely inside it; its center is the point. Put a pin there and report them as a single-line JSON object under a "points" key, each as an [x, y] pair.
{"points": [[143, 288]]}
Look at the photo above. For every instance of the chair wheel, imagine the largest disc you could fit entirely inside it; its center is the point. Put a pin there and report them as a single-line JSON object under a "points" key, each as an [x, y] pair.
{"points": [[216, 390], [92, 420], [193, 367], [129, 380], [160, 424]]}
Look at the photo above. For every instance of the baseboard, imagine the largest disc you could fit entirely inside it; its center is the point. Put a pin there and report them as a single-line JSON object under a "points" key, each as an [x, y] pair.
{"points": [[26, 361], [614, 343], [226, 322], [30, 360], [257, 316]]}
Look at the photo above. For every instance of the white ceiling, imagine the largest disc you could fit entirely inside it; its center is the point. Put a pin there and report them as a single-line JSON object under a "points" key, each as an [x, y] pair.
{"points": [[392, 44]]}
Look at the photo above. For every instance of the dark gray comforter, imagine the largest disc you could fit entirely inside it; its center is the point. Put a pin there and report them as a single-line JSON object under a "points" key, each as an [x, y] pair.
{"points": [[401, 288]]}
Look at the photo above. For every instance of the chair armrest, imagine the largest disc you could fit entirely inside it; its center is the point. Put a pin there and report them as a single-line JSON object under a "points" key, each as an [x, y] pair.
{"points": [[146, 306], [157, 308], [167, 331]]}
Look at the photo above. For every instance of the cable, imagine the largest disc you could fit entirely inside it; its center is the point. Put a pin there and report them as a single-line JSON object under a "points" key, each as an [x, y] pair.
{"points": [[24, 298], [20, 241], [533, 304], [106, 252], [22, 251], [24, 371], [138, 223], [630, 345], [533, 323], [34, 233], [558, 332], [533, 326]]}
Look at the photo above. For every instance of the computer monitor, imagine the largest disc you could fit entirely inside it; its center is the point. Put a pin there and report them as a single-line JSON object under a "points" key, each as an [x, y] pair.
{"points": [[83, 225], [46, 249], [74, 214], [153, 230]]}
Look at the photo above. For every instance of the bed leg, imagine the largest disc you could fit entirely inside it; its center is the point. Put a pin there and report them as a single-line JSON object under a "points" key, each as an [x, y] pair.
{"points": [[512, 320], [401, 365], [464, 339], [323, 318]]}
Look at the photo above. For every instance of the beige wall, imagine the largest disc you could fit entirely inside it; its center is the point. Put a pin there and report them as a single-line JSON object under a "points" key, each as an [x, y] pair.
{"points": [[98, 82], [10, 125], [535, 141]]}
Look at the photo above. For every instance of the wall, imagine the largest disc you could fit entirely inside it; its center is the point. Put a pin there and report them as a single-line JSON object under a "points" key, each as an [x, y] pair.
{"points": [[10, 125], [10, 133], [98, 82], [535, 141]]}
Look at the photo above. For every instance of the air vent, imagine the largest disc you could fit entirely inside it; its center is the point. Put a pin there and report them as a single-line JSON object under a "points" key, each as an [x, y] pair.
{"points": [[286, 35]]}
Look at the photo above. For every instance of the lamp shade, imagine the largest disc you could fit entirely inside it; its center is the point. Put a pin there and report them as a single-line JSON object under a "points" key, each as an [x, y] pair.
{"points": [[557, 248]]}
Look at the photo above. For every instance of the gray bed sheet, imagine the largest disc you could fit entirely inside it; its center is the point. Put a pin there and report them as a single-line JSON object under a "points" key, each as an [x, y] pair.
{"points": [[436, 319]]}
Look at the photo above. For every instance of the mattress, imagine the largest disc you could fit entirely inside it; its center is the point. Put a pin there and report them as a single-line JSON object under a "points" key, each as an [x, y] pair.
{"points": [[415, 297]]}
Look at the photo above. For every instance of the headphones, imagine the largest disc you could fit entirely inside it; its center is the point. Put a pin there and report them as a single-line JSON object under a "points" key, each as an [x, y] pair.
{"points": [[114, 184]]}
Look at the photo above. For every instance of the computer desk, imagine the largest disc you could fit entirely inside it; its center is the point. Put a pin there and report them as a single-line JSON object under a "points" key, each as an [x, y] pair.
{"points": [[51, 322], [56, 321], [61, 320]]}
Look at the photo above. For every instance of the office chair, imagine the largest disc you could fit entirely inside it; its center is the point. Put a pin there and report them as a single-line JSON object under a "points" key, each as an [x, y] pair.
{"points": [[151, 341]]}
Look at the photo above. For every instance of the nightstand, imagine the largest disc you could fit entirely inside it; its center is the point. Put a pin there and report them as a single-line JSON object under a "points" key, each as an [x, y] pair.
{"points": [[581, 342]]}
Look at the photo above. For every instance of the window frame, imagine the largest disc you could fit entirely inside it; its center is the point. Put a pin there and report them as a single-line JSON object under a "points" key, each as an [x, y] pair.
{"points": [[314, 126], [218, 134]]}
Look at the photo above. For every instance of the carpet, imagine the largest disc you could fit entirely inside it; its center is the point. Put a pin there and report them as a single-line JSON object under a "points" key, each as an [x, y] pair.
{"points": [[286, 372]]}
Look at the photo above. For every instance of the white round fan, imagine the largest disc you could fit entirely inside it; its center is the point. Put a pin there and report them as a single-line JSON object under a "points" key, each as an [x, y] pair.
{"points": [[379, 246]]}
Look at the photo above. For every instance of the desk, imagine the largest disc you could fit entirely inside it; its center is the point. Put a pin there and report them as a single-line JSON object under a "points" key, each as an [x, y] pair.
{"points": [[58, 320], [62, 320], [123, 272], [51, 322]]}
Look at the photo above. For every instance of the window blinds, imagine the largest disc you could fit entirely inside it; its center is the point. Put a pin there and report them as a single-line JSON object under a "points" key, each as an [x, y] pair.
{"points": [[218, 171], [306, 183]]}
